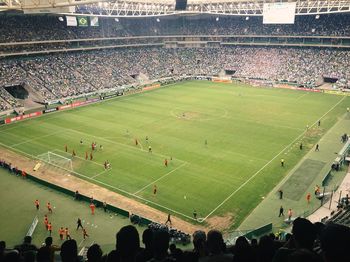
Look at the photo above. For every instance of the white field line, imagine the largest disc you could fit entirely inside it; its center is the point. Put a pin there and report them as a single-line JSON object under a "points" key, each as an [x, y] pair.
{"points": [[58, 150], [107, 137], [161, 206], [165, 175], [301, 96], [104, 171], [36, 138], [262, 168], [105, 184], [81, 242], [121, 144]]}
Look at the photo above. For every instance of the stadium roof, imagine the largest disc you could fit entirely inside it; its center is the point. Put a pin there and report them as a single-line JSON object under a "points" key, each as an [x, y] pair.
{"points": [[140, 8]]}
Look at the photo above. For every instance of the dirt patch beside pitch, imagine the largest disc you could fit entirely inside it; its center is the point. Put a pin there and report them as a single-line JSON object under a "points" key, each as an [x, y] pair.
{"points": [[221, 223], [89, 189]]}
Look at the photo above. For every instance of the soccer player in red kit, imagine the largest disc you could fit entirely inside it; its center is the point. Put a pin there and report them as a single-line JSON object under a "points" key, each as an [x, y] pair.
{"points": [[61, 232], [46, 222], [49, 208], [92, 207]]}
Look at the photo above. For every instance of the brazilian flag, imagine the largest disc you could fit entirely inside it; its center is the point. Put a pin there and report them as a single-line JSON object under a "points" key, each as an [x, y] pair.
{"points": [[83, 21]]}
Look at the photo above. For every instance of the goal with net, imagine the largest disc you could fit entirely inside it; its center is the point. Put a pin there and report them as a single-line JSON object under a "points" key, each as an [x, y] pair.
{"points": [[57, 160]]}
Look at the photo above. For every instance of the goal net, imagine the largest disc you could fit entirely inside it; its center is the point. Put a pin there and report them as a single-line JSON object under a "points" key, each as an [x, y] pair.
{"points": [[57, 160]]}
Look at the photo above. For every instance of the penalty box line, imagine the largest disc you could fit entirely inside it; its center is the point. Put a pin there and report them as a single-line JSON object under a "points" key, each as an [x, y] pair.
{"points": [[163, 176], [107, 185], [58, 150], [101, 173], [121, 144], [262, 168]]}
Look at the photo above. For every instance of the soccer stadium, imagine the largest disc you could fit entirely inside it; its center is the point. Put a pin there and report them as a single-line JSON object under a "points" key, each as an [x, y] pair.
{"points": [[174, 130]]}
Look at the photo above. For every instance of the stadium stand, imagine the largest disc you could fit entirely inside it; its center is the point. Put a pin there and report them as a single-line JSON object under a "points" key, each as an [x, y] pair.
{"points": [[14, 28], [64, 75]]}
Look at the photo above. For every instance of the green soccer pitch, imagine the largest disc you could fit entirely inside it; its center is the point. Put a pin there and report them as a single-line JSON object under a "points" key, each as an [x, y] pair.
{"points": [[226, 142]]}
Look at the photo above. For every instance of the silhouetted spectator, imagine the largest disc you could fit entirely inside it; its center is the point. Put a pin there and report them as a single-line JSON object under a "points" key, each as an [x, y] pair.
{"points": [[199, 244], [266, 248], [69, 251], [127, 245], [26, 247], [175, 252], [146, 253], [304, 235], [47, 252], [216, 248], [243, 252], [335, 243], [94, 253], [160, 246]]}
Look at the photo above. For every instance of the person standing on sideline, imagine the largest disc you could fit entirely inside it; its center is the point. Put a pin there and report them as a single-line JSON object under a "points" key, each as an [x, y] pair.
{"points": [[195, 214], [281, 211], [308, 197], [37, 204], [168, 220], [104, 206], [79, 224], [280, 193], [290, 214], [317, 190], [317, 147]]}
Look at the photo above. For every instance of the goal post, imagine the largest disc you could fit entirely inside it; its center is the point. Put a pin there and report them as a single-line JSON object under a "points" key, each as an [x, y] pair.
{"points": [[57, 160]]}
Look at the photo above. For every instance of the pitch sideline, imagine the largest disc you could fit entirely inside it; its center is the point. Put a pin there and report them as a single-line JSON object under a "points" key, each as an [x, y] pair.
{"points": [[258, 172]]}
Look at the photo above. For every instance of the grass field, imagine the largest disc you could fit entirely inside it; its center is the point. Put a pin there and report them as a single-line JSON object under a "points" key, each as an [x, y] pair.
{"points": [[248, 131]]}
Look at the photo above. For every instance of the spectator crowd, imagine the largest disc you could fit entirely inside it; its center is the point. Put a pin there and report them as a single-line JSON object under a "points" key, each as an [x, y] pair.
{"points": [[19, 28], [67, 74], [308, 242]]}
